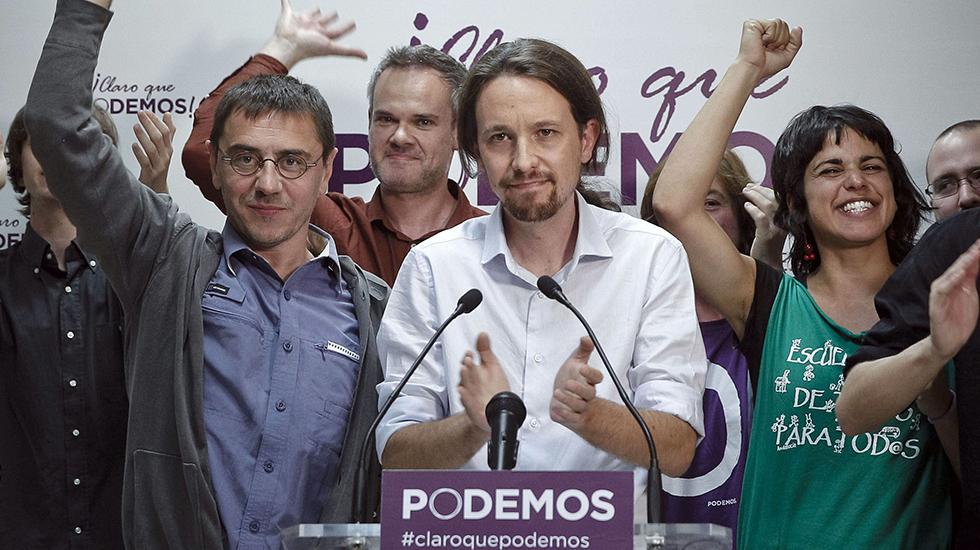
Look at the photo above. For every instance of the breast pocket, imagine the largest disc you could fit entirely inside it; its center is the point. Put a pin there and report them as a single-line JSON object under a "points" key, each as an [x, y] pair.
{"points": [[236, 355], [328, 379]]}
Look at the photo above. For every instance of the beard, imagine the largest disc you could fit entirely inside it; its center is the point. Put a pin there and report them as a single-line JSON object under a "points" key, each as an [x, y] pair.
{"points": [[524, 211]]}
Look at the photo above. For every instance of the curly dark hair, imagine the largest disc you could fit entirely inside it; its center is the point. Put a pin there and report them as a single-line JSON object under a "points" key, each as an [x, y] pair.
{"points": [[802, 139]]}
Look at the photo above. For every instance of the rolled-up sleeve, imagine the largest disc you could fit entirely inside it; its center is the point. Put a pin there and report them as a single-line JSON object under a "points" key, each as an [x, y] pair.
{"points": [[669, 359], [409, 321]]}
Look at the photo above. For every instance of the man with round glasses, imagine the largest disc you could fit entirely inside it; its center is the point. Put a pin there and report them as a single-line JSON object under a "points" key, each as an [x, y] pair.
{"points": [[251, 361], [953, 169], [289, 166]]}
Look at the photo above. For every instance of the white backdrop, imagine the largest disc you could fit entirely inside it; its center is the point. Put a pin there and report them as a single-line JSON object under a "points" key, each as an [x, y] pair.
{"points": [[907, 61]]}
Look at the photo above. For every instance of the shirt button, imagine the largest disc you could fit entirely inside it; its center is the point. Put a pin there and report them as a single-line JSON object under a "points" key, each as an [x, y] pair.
{"points": [[67, 290], [268, 467], [280, 406], [76, 433], [538, 358], [36, 271], [534, 423], [91, 263], [73, 383], [78, 530], [287, 345], [70, 334], [253, 526], [287, 295], [77, 481], [539, 295]]}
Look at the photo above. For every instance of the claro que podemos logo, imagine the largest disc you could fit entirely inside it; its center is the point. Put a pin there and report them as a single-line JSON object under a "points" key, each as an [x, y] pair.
{"points": [[507, 509], [446, 503]]}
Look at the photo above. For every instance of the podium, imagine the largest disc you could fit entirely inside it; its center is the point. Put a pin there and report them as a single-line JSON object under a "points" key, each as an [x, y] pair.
{"points": [[504, 510], [647, 536]]}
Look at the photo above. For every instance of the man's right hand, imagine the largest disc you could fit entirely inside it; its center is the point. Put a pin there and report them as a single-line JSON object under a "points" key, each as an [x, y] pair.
{"points": [[299, 36], [479, 383], [953, 304]]}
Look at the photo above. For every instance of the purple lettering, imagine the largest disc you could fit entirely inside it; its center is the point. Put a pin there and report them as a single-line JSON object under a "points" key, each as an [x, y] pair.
{"points": [[343, 176]]}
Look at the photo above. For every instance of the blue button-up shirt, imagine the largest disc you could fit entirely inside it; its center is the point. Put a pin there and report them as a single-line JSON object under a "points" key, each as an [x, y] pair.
{"points": [[280, 370]]}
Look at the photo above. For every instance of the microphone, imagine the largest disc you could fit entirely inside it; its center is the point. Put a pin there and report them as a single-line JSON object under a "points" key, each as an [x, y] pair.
{"points": [[505, 414], [552, 290], [467, 303]]}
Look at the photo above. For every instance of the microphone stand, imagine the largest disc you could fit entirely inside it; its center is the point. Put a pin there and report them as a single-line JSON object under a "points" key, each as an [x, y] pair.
{"points": [[467, 303], [550, 288]]}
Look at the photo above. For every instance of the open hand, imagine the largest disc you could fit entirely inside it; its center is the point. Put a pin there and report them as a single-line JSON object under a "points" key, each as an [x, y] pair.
{"points": [[574, 388], [299, 36], [154, 148], [953, 304], [478, 383]]}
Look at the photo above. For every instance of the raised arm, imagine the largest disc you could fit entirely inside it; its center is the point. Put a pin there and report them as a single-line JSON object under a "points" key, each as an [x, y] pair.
{"points": [[721, 275], [297, 36], [122, 222]]}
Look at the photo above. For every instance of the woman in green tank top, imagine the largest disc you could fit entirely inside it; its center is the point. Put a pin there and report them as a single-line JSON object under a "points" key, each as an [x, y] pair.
{"points": [[853, 211]]}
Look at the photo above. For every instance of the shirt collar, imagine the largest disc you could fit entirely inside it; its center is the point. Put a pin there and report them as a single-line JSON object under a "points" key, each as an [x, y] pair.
{"points": [[233, 244], [590, 242], [375, 210], [33, 248]]}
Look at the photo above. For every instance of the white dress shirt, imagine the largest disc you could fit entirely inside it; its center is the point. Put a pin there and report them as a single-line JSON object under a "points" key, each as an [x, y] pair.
{"points": [[629, 278]]}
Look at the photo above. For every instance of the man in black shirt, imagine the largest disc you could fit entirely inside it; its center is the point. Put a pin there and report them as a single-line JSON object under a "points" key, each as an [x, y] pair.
{"points": [[63, 399], [928, 316]]}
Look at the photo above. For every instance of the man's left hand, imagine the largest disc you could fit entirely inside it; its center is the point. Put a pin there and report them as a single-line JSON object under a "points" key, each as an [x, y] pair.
{"points": [[574, 390]]}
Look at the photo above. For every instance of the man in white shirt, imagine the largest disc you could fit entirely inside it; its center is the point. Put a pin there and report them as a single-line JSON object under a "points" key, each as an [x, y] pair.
{"points": [[531, 119]]}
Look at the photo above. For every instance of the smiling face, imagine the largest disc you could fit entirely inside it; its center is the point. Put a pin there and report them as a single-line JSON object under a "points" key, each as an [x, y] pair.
{"points": [[266, 209], [952, 158], [411, 136], [849, 194], [530, 146]]}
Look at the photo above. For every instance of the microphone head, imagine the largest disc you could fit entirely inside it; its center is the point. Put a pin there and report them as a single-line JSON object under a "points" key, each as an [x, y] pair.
{"points": [[470, 300], [549, 287], [507, 401]]}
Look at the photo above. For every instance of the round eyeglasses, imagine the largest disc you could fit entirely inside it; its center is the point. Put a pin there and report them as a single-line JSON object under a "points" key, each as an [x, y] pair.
{"points": [[247, 163]]}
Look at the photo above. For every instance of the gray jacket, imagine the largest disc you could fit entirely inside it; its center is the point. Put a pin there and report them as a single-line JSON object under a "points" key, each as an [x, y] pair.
{"points": [[159, 263]]}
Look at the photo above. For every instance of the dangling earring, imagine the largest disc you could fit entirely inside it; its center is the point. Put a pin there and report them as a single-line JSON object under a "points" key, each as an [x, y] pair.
{"points": [[808, 254]]}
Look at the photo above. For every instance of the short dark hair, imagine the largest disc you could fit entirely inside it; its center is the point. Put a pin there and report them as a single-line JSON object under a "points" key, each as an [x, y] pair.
{"points": [[275, 94], [16, 139], [802, 139], [734, 177], [543, 61], [420, 57]]}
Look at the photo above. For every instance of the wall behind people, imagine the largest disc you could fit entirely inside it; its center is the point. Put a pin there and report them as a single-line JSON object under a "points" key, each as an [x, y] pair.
{"points": [[653, 63]]}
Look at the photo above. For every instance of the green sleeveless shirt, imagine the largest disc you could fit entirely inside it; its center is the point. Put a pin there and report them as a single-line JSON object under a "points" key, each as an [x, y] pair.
{"points": [[807, 485]]}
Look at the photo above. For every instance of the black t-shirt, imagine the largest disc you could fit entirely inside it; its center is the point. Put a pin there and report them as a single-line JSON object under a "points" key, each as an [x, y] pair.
{"points": [[903, 307]]}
